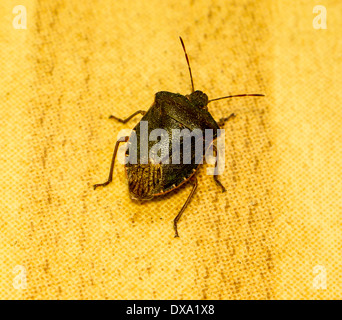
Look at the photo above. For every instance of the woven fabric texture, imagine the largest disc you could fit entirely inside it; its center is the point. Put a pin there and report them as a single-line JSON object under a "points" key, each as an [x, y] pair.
{"points": [[79, 62]]}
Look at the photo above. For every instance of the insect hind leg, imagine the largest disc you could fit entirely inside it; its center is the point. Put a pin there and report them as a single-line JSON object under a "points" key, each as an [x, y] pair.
{"points": [[194, 181], [110, 177]]}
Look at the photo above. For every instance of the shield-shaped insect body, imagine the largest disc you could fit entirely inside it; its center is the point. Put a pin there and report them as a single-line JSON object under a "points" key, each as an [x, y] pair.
{"points": [[168, 144]]}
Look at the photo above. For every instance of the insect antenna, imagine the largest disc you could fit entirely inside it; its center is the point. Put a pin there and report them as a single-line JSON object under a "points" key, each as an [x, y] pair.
{"points": [[187, 60], [239, 95]]}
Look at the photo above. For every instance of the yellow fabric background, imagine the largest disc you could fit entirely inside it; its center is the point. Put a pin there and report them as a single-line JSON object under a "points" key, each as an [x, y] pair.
{"points": [[78, 62]]}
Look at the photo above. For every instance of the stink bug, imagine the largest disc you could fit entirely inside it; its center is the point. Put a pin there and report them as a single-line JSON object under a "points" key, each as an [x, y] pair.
{"points": [[148, 178]]}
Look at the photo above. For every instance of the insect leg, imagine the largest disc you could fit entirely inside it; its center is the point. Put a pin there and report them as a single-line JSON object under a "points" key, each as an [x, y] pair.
{"points": [[122, 139], [194, 181], [130, 117], [218, 182], [224, 120]]}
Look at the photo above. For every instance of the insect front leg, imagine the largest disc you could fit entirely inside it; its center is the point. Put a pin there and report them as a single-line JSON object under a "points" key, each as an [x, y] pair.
{"points": [[224, 120], [194, 181], [130, 117], [110, 177]]}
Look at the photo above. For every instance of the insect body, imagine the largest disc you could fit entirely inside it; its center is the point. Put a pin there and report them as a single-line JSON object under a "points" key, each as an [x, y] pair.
{"points": [[170, 112]]}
